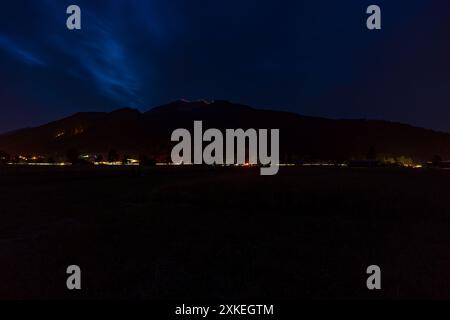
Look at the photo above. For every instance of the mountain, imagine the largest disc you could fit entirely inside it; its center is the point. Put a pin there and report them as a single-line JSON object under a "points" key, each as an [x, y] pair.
{"points": [[131, 132]]}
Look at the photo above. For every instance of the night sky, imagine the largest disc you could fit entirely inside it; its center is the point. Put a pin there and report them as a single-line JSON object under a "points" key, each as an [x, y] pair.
{"points": [[312, 57]]}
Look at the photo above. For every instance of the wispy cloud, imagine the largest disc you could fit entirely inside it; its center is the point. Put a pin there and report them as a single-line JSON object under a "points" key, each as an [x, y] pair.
{"points": [[18, 52], [98, 56], [105, 60]]}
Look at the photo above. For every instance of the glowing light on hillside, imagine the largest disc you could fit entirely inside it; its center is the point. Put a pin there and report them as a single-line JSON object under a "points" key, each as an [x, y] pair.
{"points": [[78, 131]]}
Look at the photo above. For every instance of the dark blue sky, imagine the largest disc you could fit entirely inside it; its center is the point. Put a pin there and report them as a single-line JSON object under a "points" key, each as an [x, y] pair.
{"points": [[312, 57]]}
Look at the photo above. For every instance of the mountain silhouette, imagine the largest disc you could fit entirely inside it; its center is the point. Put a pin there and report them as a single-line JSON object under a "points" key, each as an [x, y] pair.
{"points": [[132, 132]]}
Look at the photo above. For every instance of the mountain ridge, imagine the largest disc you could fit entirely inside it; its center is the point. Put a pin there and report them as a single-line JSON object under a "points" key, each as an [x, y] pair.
{"points": [[133, 132]]}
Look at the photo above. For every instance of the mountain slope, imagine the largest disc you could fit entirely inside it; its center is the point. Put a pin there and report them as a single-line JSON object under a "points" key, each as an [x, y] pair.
{"points": [[132, 132]]}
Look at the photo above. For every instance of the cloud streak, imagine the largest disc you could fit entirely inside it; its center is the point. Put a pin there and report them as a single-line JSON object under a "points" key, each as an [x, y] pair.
{"points": [[103, 60], [18, 52]]}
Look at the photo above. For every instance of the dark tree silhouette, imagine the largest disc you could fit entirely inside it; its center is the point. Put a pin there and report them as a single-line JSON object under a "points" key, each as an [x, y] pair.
{"points": [[372, 154], [125, 159], [73, 156], [99, 158], [15, 159], [4, 157], [146, 161], [113, 156], [437, 159]]}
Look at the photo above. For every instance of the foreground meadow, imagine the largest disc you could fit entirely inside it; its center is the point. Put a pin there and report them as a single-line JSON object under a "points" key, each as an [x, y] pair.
{"points": [[177, 233]]}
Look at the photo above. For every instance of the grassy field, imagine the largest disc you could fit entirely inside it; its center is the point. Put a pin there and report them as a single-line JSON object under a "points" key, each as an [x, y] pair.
{"points": [[227, 233]]}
